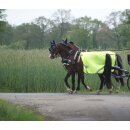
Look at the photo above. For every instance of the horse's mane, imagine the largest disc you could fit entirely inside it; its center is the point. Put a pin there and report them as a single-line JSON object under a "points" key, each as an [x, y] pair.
{"points": [[70, 46], [73, 46], [64, 45]]}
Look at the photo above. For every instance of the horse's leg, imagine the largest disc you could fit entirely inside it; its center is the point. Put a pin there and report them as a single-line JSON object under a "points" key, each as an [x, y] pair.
{"points": [[107, 72], [109, 85], [73, 81], [82, 80], [119, 63], [117, 80], [101, 76], [78, 87], [66, 81], [121, 79]]}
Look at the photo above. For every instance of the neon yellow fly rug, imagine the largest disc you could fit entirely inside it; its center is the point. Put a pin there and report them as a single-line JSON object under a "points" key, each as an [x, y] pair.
{"points": [[94, 61]]}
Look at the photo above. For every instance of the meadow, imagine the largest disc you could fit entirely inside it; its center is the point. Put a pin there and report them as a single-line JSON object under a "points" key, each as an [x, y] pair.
{"points": [[34, 71]]}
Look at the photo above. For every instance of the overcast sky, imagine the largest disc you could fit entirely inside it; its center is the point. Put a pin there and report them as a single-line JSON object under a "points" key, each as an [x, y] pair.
{"points": [[19, 16]]}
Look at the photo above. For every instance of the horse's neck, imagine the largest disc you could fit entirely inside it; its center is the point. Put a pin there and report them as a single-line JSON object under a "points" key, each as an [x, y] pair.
{"points": [[63, 51], [73, 46]]}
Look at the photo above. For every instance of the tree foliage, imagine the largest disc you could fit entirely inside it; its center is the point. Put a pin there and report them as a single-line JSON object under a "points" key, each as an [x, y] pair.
{"points": [[86, 32], [2, 20]]}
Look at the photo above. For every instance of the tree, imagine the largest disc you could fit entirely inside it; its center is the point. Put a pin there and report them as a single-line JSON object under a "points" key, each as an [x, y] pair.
{"points": [[105, 38], [83, 24], [2, 19], [62, 19], [126, 26], [45, 26], [126, 16], [6, 36], [113, 22], [30, 33], [78, 35], [84, 31], [96, 26], [2, 26]]}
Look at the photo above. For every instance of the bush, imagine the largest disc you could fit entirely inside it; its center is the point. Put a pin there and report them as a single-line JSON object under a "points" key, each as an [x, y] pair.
{"points": [[18, 45]]}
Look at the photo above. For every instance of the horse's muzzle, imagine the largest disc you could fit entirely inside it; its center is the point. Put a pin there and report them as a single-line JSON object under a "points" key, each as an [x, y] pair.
{"points": [[51, 56]]}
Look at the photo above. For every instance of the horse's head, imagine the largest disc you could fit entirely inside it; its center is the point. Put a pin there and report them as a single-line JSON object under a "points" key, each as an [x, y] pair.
{"points": [[53, 50], [61, 49]]}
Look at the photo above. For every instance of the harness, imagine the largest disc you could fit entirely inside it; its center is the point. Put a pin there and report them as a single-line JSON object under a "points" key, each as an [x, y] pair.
{"points": [[71, 61], [93, 62]]}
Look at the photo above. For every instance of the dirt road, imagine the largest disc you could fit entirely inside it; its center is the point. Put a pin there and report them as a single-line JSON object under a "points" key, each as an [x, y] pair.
{"points": [[77, 107]]}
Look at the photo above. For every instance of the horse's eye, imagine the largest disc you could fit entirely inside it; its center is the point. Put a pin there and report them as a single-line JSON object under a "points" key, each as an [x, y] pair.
{"points": [[49, 49], [53, 48]]}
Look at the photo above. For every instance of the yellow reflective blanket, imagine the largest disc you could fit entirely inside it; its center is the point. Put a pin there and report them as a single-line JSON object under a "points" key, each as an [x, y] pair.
{"points": [[94, 61]]}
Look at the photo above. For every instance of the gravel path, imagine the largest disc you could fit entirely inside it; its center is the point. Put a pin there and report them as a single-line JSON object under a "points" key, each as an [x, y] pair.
{"points": [[76, 107]]}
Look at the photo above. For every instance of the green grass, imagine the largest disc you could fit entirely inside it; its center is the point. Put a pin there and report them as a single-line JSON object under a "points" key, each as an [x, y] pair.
{"points": [[34, 71], [10, 112], [30, 71]]}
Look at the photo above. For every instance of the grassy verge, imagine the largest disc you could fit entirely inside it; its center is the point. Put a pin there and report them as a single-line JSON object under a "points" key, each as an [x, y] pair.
{"points": [[11, 112]]}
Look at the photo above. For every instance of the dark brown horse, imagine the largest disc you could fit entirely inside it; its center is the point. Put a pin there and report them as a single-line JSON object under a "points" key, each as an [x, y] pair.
{"points": [[72, 61], [67, 52]]}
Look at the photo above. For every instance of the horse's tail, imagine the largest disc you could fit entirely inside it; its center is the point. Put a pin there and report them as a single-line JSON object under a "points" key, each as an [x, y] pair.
{"points": [[119, 63], [107, 70]]}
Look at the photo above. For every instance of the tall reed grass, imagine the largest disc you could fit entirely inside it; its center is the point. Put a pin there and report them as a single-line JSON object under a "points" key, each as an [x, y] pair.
{"points": [[33, 71], [29, 71]]}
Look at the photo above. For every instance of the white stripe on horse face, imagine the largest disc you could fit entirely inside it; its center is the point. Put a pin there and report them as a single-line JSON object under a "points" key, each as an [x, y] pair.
{"points": [[50, 56]]}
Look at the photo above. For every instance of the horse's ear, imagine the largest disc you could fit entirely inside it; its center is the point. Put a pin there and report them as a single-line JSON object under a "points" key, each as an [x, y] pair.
{"points": [[54, 42], [51, 42], [65, 41]]}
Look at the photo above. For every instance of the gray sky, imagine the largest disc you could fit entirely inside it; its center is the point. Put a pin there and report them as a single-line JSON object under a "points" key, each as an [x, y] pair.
{"points": [[18, 16]]}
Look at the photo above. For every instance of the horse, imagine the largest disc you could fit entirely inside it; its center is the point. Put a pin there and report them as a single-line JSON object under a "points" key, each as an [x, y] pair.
{"points": [[67, 53], [73, 63]]}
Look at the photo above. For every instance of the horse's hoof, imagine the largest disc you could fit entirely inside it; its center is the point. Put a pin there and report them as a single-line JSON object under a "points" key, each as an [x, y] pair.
{"points": [[69, 91], [110, 92], [90, 90], [117, 91], [75, 91], [98, 92]]}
